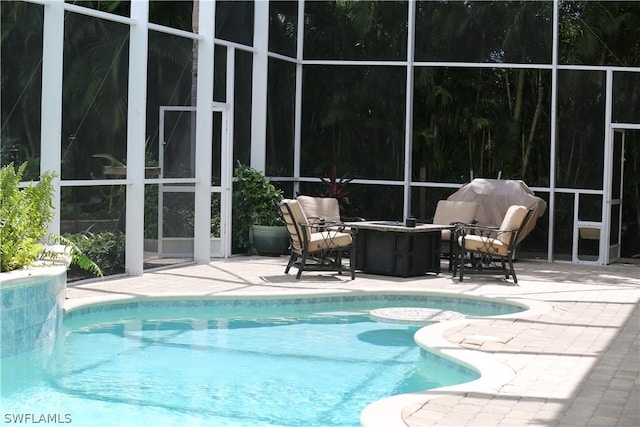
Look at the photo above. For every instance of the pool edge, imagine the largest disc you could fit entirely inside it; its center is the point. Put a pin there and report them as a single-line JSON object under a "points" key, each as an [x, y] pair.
{"points": [[390, 411], [387, 412]]}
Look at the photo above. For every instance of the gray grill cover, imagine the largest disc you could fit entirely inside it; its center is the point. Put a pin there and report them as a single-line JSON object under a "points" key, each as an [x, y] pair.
{"points": [[495, 196]]}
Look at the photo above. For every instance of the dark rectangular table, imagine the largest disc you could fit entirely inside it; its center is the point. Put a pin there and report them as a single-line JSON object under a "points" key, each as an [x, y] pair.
{"points": [[393, 249]]}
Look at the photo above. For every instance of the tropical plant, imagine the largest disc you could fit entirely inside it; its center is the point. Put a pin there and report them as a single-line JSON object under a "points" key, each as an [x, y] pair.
{"points": [[255, 201], [337, 188], [105, 248], [25, 217]]}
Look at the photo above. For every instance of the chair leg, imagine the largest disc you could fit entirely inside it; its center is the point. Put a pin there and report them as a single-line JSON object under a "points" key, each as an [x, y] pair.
{"points": [[292, 259], [456, 260], [513, 272], [339, 261], [301, 265], [504, 268], [352, 260], [460, 263]]}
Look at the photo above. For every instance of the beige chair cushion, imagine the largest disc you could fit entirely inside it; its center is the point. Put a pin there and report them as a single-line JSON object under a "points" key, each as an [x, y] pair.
{"points": [[320, 207], [513, 220], [448, 211], [485, 244], [319, 240], [329, 240], [499, 245], [297, 216]]}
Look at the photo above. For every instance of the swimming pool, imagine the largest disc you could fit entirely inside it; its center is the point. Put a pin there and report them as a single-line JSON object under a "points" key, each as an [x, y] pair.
{"points": [[233, 362]]}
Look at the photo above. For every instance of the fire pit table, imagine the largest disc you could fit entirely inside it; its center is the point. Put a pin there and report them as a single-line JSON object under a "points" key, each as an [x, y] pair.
{"points": [[391, 248]]}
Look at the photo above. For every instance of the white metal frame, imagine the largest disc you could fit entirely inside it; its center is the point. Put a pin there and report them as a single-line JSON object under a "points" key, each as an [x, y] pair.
{"points": [[177, 246], [186, 246], [259, 85], [51, 122], [588, 227], [52, 61], [612, 251], [221, 247], [136, 137]]}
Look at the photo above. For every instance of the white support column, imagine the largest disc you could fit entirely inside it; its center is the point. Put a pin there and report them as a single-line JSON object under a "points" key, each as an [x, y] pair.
{"points": [[204, 132], [51, 121], [228, 163], [607, 174], [259, 86], [408, 131], [136, 136], [552, 137], [297, 131]]}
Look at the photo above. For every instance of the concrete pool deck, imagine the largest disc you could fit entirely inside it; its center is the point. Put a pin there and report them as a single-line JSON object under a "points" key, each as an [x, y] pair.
{"points": [[573, 360]]}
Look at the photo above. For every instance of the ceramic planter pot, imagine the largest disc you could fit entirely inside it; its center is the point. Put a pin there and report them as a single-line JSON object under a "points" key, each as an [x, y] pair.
{"points": [[270, 240]]}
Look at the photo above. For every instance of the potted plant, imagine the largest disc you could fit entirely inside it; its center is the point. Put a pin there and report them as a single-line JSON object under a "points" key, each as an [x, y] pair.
{"points": [[25, 215], [256, 215]]}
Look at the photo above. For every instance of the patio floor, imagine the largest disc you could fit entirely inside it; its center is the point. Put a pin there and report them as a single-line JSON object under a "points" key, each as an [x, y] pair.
{"points": [[574, 360]]}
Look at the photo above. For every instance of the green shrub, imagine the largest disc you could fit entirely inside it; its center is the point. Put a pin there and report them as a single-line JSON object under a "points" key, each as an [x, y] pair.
{"points": [[106, 249], [255, 201], [25, 215]]}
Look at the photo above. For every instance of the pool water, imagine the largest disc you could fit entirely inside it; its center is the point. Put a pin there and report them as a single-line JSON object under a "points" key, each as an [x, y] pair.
{"points": [[157, 365]]}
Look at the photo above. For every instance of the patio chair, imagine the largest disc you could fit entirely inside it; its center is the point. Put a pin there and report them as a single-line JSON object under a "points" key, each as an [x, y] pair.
{"points": [[450, 213], [317, 245], [485, 249], [318, 209]]}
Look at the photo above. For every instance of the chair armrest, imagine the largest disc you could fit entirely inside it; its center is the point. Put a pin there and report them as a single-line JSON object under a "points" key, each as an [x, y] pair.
{"points": [[478, 227], [467, 224], [341, 227], [482, 230], [337, 226], [452, 223], [316, 220]]}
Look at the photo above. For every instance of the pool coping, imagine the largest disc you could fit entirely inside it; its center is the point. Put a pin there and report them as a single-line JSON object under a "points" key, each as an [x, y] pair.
{"points": [[493, 373]]}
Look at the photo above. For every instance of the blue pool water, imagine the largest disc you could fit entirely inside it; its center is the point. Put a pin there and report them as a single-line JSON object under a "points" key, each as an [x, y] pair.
{"points": [[279, 362]]}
